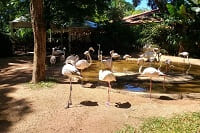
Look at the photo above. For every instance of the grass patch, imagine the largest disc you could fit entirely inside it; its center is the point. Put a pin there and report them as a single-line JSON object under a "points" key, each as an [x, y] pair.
{"points": [[185, 123], [127, 129], [48, 83]]}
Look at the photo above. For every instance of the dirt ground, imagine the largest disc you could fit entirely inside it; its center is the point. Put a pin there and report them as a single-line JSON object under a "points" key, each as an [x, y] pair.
{"points": [[42, 110]]}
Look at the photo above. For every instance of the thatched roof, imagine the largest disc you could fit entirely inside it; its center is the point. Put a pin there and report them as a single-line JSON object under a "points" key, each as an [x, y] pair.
{"points": [[142, 18]]}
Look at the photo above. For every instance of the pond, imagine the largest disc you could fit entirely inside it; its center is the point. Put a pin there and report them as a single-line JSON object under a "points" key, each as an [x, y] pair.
{"points": [[129, 79]]}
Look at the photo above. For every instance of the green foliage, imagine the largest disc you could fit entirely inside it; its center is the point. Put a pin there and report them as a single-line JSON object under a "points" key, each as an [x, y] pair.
{"points": [[9, 10], [115, 14], [117, 36], [119, 9], [171, 9], [62, 12], [6, 45]]}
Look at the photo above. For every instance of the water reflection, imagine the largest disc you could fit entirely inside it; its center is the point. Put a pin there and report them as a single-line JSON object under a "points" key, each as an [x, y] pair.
{"points": [[129, 87], [130, 78]]}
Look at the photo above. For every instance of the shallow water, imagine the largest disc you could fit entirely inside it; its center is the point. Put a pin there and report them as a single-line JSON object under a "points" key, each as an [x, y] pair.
{"points": [[129, 79]]}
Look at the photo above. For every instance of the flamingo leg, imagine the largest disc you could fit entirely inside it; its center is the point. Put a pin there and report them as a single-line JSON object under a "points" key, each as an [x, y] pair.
{"points": [[166, 69], [52, 72], [81, 79], [109, 87], [164, 83], [69, 102], [150, 86]]}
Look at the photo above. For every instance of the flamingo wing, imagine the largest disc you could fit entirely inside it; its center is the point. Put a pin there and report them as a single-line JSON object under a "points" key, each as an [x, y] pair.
{"points": [[82, 64]]}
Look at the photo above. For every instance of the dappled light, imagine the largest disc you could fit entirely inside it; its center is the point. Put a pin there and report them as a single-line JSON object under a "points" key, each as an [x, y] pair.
{"points": [[11, 110]]}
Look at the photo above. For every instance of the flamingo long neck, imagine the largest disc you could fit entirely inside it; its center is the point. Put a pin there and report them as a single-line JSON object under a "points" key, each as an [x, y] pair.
{"points": [[140, 69], [90, 59], [99, 52], [160, 65], [187, 71], [64, 52], [53, 50]]}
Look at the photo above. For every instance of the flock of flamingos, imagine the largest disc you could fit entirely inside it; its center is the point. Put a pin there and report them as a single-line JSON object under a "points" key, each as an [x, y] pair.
{"points": [[73, 66]]}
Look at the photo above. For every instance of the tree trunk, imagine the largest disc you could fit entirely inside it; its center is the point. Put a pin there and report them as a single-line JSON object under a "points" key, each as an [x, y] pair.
{"points": [[39, 32]]}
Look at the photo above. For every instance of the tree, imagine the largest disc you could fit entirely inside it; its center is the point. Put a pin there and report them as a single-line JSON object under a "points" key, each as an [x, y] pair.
{"points": [[39, 32]]}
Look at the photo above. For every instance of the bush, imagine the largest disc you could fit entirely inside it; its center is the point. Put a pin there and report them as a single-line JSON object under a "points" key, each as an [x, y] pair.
{"points": [[6, 46]]}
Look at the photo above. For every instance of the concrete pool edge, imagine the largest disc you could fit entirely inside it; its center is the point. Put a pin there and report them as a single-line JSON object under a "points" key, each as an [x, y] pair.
{"points": [[162, 96]]}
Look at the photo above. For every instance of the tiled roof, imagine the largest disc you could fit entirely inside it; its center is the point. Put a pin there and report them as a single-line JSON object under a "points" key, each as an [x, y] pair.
{"points": [[145, 17]]}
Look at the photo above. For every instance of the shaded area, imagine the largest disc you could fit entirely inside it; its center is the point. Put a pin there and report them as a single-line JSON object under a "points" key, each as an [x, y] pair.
{"points": [[89, 103], [15, 70], [123, 105], [11, 110]]}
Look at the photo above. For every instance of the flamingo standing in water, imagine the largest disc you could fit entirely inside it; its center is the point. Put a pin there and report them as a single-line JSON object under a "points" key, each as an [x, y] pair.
{"points": [[108, 62], [140, 62], [72, 59], [71, 71], [168, 64], [126, 56], [152, 72], [186, 55], [114, 55], [83, 64]]}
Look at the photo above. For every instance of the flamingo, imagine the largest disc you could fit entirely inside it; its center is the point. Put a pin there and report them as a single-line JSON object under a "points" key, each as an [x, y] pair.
{"points": [[53, 59], [62, 57], [126, 56], [114, 55], [148, 55], [152, 72], [57, 52], [140, 62], [184, 55], [108, 62], [169, 65], [72, 59], [107, 76], [71, 71], [83, 64], [88, 51]]}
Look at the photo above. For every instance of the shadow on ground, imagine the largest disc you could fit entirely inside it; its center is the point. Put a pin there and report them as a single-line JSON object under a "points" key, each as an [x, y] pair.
{"points": [[11, 110], [89, 103], [125, 105]]}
